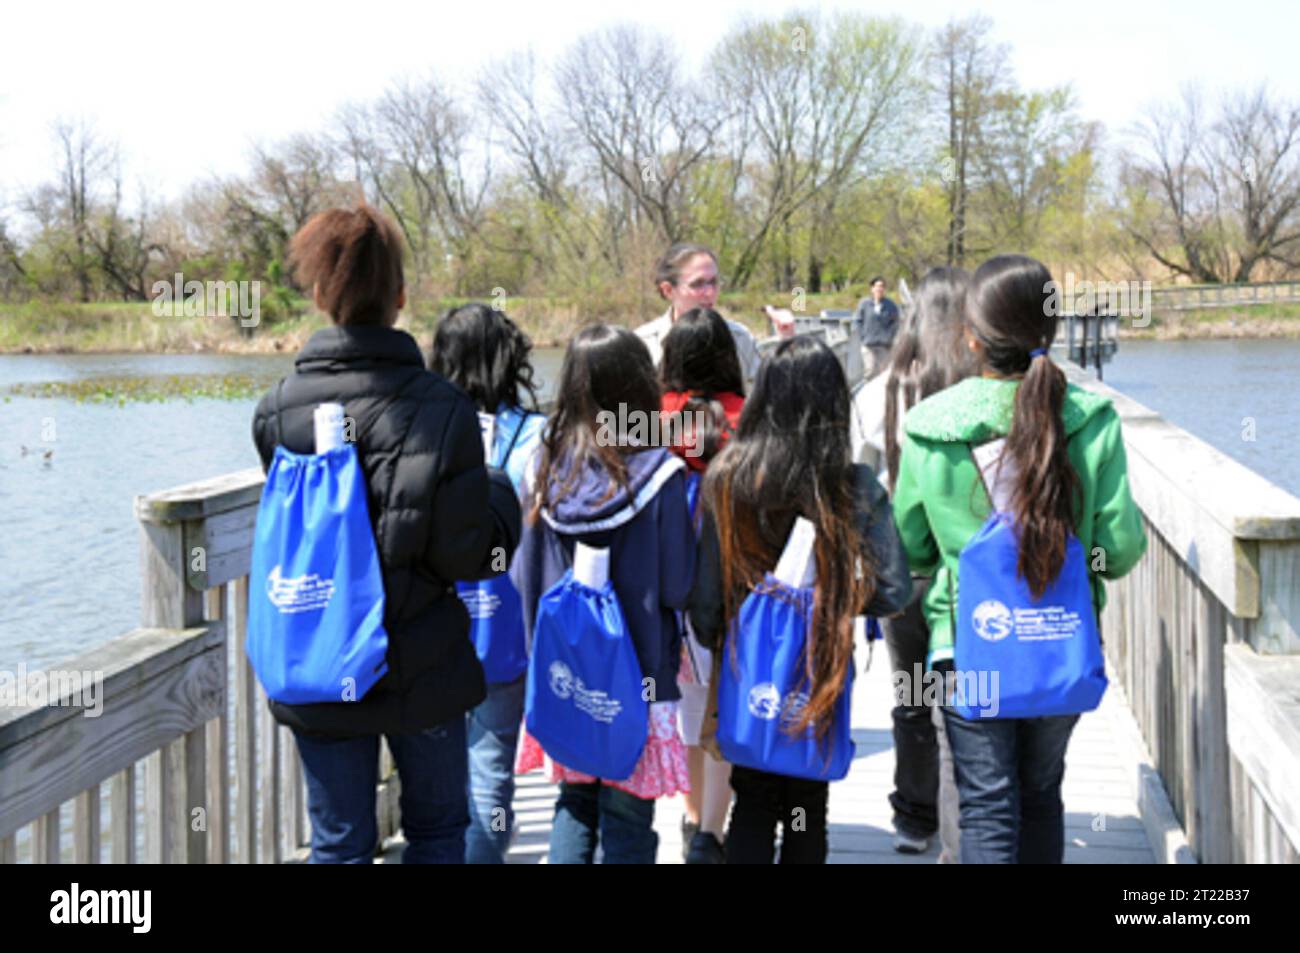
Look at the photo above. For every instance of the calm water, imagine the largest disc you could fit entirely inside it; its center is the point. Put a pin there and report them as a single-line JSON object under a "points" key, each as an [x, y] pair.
{"points": [[69, 547]]}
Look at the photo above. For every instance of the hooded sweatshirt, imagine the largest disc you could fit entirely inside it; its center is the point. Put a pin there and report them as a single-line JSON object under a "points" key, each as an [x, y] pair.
{"points": [[940, 502], [647, 529]]}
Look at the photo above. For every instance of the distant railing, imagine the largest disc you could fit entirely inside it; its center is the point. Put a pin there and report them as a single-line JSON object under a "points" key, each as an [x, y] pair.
{"points": [[1199, 297]]}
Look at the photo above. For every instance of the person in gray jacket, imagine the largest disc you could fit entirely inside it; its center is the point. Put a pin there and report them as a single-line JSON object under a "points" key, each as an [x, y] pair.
{"points": [[877, 322]]}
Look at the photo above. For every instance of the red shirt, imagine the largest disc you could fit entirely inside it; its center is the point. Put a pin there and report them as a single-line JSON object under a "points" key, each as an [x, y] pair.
{"points": [[673, 401]]}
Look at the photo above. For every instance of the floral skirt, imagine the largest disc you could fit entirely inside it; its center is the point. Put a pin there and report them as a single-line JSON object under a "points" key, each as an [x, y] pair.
{"points": [[661, 771]]}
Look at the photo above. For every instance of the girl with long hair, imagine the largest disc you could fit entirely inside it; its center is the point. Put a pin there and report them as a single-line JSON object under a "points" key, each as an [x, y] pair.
{"points": [[790, 458], [601, 482], [703, 393], [1020, 440], [484, 353]]}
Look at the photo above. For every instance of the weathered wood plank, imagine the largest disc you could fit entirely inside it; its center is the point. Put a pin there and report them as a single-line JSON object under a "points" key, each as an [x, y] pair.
{"points": [[202, 499], [85, 821], [122, 812], [45, 838], [245, 814], [1277, 630], [168, 601], [220, 547], [1226, 563], [1263, 725], [50, 755], [8, 849], [193, 815], [218, 751], [268, 782]]}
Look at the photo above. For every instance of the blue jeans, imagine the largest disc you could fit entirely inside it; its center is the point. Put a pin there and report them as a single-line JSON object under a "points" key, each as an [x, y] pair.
{"points": [[342, 775], [493, 730], [1009, 774], [624, 822]]}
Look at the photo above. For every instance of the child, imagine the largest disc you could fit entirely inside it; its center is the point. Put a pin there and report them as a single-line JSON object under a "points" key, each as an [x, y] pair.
{"points": [[611, 490], [929, 354], [703, 396], [1059, 468], [481, 351], [438, 516], [790, 458]]}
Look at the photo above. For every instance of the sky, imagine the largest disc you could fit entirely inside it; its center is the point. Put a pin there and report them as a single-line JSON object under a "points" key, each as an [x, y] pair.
{"points": [[185, 89]]}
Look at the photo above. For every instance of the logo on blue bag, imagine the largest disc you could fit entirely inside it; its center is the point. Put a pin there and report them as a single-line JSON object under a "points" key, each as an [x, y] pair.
{"points": [[764, 701], [795, 703], [480, 603], [593, 703], [561, 679], [992, 620], [305, 593]]}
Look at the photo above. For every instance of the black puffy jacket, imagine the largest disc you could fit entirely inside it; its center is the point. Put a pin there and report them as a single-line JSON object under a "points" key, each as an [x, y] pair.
{"points": [[438, 514]]}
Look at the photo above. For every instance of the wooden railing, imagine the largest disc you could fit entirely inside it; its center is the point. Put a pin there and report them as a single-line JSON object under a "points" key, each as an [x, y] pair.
{"points": [[185, 763], [1205, 635], [183, 719]]}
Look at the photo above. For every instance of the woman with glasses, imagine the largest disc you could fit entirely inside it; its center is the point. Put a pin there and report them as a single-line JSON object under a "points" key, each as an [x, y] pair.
{"points": [[686, 276]]}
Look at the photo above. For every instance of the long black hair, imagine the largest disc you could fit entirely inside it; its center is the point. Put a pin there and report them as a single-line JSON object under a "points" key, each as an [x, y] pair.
{"points": [[1011, 310], [606, 370], [791, 457], [930, 351], [484, 353], [700, 360]]}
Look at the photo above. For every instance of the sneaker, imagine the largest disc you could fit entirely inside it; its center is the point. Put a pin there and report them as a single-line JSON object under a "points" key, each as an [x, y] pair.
{"points": [[910, 844], [689, 830], [705, 849]]}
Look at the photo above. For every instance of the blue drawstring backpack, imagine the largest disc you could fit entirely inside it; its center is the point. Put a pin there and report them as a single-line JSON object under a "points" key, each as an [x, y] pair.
{"points": [[693, 481], [759, 689], [1017, 656], [496, 613], [316, 593], [583, 701]]}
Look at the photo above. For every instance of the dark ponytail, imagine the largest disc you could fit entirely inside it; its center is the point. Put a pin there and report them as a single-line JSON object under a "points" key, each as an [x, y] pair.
{"points": [[1012, 313]]}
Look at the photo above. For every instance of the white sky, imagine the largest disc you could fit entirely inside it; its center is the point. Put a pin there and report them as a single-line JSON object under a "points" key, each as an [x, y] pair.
{"points": [[186, 90]]}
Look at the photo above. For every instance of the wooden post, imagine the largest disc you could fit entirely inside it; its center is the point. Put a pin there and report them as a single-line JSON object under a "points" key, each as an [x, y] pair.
{"points": [[218, 751], [123, 817], [245, 731], [174, 776], [45, 839], [85, 842]]}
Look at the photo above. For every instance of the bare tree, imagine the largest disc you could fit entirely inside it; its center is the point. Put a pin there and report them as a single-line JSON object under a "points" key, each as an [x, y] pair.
{"points": [[67, 205], [623, 91], [414, 148], [539, 145], [124, 244], [1213, 198]]}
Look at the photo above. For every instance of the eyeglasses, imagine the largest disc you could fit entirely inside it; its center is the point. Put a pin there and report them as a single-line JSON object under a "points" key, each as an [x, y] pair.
{"points": [[701, 284]]}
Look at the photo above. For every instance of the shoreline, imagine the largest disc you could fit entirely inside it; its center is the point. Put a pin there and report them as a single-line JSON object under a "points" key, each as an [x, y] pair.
{"points": [[141, 334]]}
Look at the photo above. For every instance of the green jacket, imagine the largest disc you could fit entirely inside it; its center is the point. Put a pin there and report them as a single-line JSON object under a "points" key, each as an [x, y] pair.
{"points": [[940, 503]]}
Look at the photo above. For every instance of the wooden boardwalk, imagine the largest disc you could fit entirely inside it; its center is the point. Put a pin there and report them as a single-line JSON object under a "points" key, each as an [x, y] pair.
{"points": [[1099, 793]]}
